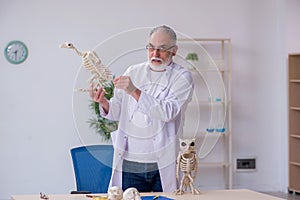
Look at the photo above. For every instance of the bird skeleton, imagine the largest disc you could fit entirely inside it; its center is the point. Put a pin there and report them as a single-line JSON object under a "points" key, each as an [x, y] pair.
{"points": [[187, 163], [90, 60]]}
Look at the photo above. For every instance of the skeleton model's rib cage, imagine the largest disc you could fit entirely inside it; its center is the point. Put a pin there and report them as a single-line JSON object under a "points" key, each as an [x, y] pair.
{"points": [[100, 73]]}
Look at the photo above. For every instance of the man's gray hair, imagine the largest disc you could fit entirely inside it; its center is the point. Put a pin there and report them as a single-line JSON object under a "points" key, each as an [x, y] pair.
{"points": [[167, 30]]}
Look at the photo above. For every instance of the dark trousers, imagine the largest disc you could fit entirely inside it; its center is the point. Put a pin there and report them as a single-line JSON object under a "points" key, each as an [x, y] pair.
{"points": [[144, 177]]}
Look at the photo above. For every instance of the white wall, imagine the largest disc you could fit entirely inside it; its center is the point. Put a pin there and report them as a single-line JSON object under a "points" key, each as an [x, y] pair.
{"points": [[292, 30], [36, 118]]}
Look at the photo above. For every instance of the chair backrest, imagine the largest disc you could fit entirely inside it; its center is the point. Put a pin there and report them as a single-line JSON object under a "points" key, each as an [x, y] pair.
{"points": [[92, 167]]}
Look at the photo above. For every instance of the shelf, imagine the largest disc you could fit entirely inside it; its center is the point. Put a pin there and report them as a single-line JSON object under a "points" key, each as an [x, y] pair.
{"points": [[294, 54], [294, 171], [218, 65], [204, 39], [295, 136], [214, 67], [209, 103], [294, 68], [295, 163], [209, 69], [294, 119], [295, 81], [294, 94], [295, 108], [294, 144], [202, 134]]}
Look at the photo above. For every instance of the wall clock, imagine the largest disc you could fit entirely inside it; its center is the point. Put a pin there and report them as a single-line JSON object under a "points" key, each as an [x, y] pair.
{"points": [[16, 52]]}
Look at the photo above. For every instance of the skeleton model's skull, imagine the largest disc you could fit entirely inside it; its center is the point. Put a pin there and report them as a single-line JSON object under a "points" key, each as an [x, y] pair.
{"points": [[187, 145], [115, 193], [131, 194]]}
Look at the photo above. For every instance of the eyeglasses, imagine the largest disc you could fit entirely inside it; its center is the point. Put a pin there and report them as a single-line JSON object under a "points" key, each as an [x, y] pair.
{"points": [[162, 49]]}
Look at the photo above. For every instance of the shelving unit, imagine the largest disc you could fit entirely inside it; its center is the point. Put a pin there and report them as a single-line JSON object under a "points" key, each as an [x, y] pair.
{"points": [[212, 78], [294, 125]]}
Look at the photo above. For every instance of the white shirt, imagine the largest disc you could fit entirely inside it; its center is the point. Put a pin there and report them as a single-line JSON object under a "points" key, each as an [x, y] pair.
{"points": [[149, 128]]}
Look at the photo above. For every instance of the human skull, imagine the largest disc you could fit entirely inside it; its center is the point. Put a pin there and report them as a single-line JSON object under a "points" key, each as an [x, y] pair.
{"points": [[131, 194], [115, 193]]}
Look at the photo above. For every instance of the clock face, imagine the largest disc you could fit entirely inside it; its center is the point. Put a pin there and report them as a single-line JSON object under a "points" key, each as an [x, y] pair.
{"points": [[16, 52]]}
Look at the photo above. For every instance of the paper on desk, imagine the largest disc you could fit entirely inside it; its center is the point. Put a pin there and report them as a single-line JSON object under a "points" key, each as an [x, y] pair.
{"points": [[159, 198]]}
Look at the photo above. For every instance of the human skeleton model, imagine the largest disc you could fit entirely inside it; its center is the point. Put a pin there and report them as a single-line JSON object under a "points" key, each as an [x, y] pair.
{"points": [[100, 73], [187, 163]]}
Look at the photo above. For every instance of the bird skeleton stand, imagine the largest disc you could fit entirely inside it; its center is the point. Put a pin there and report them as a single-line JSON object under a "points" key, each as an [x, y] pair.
{"points": [[90, 60], [187, 163]]}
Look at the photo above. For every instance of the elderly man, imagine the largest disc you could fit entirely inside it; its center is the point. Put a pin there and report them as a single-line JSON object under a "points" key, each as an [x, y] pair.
{"points": [[149, 102]]}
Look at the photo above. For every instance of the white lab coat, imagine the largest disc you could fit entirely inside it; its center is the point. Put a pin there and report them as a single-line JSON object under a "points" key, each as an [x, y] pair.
{"points": [[149, 128]]}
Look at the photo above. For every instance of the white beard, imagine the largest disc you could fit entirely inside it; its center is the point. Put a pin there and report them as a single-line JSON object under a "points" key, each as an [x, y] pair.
{"points": [[161, 67]]}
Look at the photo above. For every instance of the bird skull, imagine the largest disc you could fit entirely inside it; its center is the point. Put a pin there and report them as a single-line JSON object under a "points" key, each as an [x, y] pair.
{"points": [[67, 45]]}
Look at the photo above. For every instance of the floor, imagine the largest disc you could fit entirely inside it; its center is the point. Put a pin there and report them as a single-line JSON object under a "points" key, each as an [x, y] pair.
{"points": [[285, 195]]}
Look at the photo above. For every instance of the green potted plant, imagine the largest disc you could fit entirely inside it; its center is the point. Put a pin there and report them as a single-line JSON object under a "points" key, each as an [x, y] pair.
{"points": [[192, 58], [102, 125]]}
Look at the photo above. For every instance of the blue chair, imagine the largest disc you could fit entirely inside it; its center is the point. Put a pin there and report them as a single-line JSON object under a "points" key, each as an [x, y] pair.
{"points": [[92, 167]]}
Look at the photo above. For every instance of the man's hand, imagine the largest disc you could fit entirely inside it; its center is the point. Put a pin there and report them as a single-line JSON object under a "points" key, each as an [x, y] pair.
{"points": [[98, 95], [124, 83]]}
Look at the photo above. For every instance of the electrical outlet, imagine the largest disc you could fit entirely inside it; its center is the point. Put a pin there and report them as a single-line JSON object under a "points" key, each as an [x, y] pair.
{"points": [[246, 164]]}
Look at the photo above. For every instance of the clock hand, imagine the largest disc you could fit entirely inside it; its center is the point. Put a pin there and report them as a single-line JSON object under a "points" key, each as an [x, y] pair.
{"points": [[16, 52]]}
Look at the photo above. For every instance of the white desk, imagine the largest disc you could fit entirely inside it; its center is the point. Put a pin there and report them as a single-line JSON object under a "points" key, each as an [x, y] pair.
{"points": [[205, 195]]}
